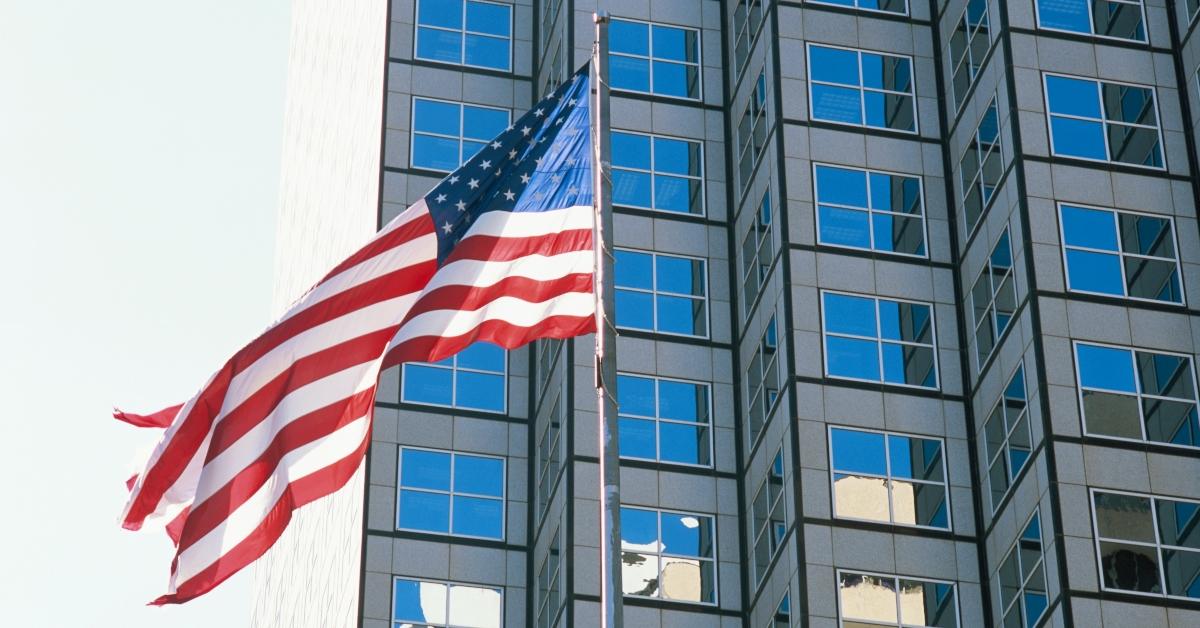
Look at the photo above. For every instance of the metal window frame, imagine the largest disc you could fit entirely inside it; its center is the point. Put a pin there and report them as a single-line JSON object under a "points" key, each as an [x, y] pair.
{"points": [[1104, 121], [981, 157], [654, 173], [895, 578], [650, 58], [870, 210], [1009, 428], [991, 316], [753, 394], [658, 420], [392, 620], [660, 555], [503, 499], [862, 89], [654, 292], [757, 532], [1090, 6], [967, 60], [460, 138], [1019, 599], [857, 7], [878, 339], [455, 369], [464, 32], [1158, 546]]}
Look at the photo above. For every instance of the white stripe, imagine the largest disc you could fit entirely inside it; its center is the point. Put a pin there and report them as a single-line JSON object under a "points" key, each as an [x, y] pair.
{"points": [[481, 274], [511, 310], [527, 224]]}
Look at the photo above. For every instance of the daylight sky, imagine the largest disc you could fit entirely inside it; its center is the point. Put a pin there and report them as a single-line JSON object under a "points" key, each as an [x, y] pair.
{"points": [[139, 167]]}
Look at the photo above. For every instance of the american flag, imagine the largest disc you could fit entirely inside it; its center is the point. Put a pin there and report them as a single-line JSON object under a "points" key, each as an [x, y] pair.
{"points": [[500, 251]]}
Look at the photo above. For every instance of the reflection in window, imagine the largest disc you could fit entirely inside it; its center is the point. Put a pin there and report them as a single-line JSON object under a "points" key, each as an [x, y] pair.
{"points": [[1006, 437], [752, 131], [1193, 9], [654, 59], [546, 352], [783, 614], [472, 379], [663, 293], [767, 515], [883, 600], [969, 45], [1137, 395], [1021, 582], [762, 382], [550, 447], [993, 299], [1147, 541], [447, 134], [867, 209], [445, 604], [862, 88], [550, 11], [879, 340], [451, 493], [664, 419], [758, 250], [668, 555], [655, 172], [549, 585], [1120, 253], [981, 167], [747, 22], [472, 33], [1118, 19], [889, 477], [899, 7], [1103, 121]]}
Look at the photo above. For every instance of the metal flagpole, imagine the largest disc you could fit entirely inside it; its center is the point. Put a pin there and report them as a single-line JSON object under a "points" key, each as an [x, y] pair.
{"points": [[606, 339]]}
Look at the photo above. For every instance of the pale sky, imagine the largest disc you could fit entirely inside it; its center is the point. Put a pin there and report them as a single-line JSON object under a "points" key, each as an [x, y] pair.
{"points": [[139, 168]]}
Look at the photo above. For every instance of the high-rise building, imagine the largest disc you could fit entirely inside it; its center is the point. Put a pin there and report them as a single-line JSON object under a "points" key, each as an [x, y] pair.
{"points": [[904, 292]]}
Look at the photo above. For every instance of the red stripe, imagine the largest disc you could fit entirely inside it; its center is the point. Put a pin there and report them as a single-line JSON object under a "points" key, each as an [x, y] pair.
{"points": [[469, 298], [175, 526], [162, 418], [503, 333], [497, 249], [383, 243]]}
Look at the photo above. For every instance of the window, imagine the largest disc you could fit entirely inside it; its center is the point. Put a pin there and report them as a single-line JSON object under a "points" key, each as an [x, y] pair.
{"points": [[655, 172], [1006, 437], [888, 477], [445, 604], [969, 45], [1193, 8], [768, 515], [1138, 395], [783, 614], [447, 134], [883, 600], [758, 251], [473, 379], [1120, 253], [867, 209], [879, 340], [446, 492], [654, 59], [1117, 19], [668, 555], [1103, 121], [662, 293], [546, 352], [550, 451], [549, 598], [980, 168], [747, 22], [550, 11], [473, 33], [1148, 544], [664, 419], [752, 131], [1021, 582], [993, 299], [898, 7], [762, 382], [862, 88]]}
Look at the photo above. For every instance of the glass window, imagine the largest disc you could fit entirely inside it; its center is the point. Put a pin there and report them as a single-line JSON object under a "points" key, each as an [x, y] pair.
{"points": [[550, 11], [663, 293], [762, 382], [445, 604], [447, 134], [1118, 19], [445, 492], [654, 58], [993, 299], [885, 600], [868, 209], [981, 167], [1138, 395], [1193, 8], [549, 585], [888, 477], [655, 172], [1007, 440], [861, 88], [768, 516], [752, 131], [472, 379], [1021, 581], [473, 33], [1120, 253], [1103, 121], [747, 22], [758, 251], [879, 340], [783, 614], [668, 555], [899, 7], [664, 419], [550, 447], [546, 352], [969, 45], [1148, 544]]}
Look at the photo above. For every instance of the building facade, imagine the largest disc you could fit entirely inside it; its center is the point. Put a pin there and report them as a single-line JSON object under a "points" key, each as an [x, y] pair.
{"points": [[905, 299]]}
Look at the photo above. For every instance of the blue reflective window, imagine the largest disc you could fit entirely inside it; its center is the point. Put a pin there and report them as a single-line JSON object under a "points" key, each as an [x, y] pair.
{"points": [[1138, 395], [473, 379], [861, 88], [654, 58], [889, 477], [668, 555], [1103, 121], [1021, 579], [969, 46], [993, 299], [752, 131], [1118, 19], [665, 420], [471, 32], [1120, 253], [747, 22], [447, 134], [663, 293], [428, 603], [758, 252], [879, 340], [450, 493], [981, 167], [762, 382], [769, 518], [655, 172], [898, 7], [1007, 441], [872, 210]]}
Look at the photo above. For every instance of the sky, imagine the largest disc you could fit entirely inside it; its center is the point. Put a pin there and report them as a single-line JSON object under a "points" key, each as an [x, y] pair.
{"points": [[139, 173]]}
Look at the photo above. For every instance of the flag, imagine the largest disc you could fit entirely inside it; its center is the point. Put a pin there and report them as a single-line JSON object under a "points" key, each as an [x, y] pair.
{"points": [[499, 251]]}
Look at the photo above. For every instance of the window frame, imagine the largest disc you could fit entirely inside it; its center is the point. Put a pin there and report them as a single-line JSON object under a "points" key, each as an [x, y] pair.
{"points": [[708, 399], [871, 211], [764, 241], [745, 145], [653, 291], [463, 32], [856, 7], [745, 30], [1018, 600], [766, 531], [967, 59], [392, 621], [654, 173], [992, 315], [1158, 546], [1011, 475], [1104, 122], [650, 58], [878, 339], [556, 577], [452, 493], [978, 175], [454, 370], [557, 445], [1037, 13], [413, 132], [766, 367], [659, 554], [895, 578], [912, 68]]}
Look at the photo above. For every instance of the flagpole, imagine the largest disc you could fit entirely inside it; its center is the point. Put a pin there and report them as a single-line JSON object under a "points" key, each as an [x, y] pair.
{"points": [[606, 339]]}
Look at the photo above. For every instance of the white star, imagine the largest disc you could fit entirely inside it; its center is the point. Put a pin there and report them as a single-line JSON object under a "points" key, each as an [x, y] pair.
{"points": [[525, 130], [525, 178], [473, 183], [508, 196], [447, 227], [454, 179], [558, 122], [538, 161], [571, 161], [572, 102], [487, 163], [556, 177], [495, 144], [572, 190], [539, 113], [462, 207], [512, 153], [441, 198]]}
